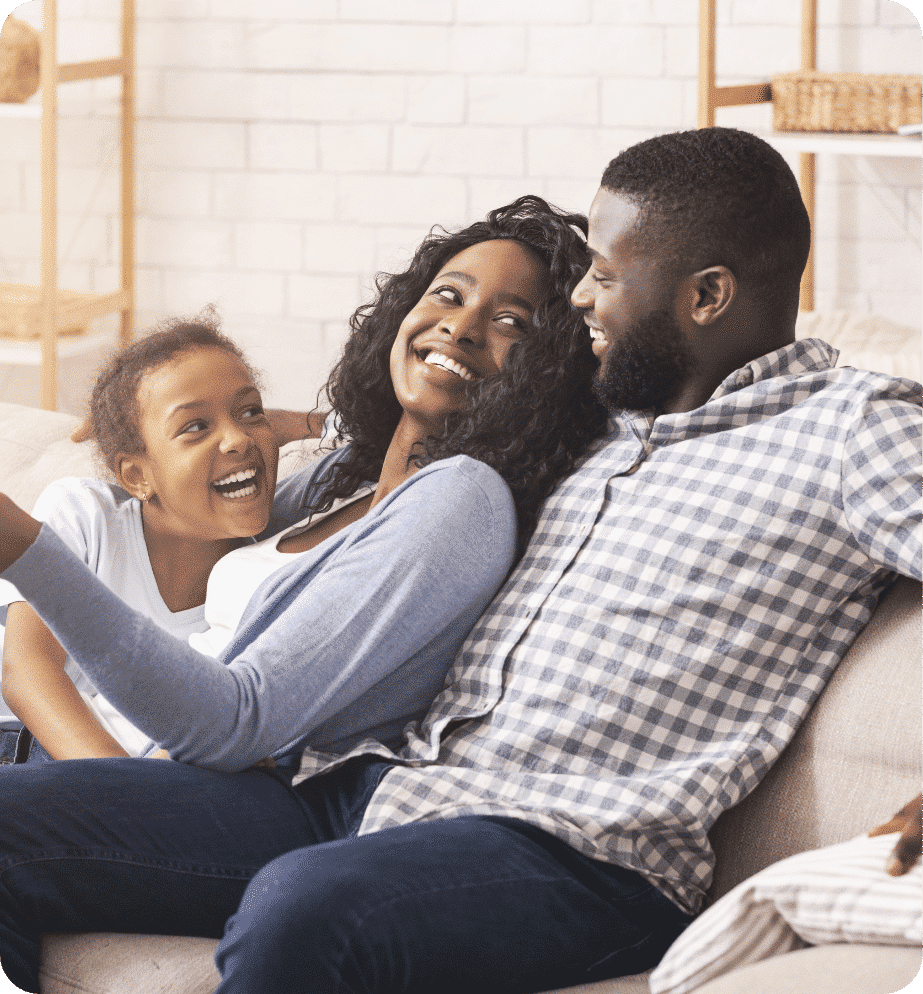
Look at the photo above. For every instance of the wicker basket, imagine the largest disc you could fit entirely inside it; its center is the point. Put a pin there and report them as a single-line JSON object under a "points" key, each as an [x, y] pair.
{"points": [[19, 61], [837, 101]]}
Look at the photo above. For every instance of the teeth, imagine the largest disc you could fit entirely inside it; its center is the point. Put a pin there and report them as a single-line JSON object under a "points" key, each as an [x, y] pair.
{"points": [[246, 492], [597, 335], [244, 474], [444, 362]]}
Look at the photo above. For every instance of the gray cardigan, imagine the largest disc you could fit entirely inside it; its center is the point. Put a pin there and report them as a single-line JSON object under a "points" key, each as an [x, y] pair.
{"points": [[350, 641]]}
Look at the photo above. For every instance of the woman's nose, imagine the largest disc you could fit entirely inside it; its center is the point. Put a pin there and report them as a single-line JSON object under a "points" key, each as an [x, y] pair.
{"points": [[463, 326]]}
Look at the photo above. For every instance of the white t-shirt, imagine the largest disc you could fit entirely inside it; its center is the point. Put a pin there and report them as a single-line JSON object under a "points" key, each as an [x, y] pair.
{"points": [[101, 523], [236, 576]]}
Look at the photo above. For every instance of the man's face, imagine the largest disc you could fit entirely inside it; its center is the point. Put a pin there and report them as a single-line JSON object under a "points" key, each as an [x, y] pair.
{"points": [[630, 310]]}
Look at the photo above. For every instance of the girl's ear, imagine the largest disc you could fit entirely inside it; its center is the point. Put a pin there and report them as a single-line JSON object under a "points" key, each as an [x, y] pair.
{"points": [[712, 291], [131, 476]]}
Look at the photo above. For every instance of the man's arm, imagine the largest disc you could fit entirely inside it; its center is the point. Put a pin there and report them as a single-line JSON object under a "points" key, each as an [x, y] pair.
{"points": [[289, 426], [909, 822]]}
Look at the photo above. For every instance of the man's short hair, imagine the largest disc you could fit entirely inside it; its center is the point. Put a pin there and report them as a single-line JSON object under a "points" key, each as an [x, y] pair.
{"points": [[718, 196]]}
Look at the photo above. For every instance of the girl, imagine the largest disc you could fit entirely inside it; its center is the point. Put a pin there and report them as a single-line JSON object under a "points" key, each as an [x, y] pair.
{"points": [[464, 395], [178, 421]]}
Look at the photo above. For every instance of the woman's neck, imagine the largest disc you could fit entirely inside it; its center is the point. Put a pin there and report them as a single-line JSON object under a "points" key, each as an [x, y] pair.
{"points": [[407, 441], [181, 565]]}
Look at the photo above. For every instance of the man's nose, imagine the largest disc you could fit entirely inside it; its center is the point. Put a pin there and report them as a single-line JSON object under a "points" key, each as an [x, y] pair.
{"points": [[583, 296]]}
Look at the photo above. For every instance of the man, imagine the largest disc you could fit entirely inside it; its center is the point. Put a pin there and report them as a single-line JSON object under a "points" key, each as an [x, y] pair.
{"points": [[686, 595]]}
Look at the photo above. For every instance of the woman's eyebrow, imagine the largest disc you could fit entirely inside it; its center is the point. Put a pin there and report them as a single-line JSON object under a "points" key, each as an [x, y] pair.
{"points": [[502, 298], [511, 298], [465, 278]]}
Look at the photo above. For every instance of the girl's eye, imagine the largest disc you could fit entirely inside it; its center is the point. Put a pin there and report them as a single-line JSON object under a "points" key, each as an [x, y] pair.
{"points": [[254, 411], [194, 428], [447, 293]]}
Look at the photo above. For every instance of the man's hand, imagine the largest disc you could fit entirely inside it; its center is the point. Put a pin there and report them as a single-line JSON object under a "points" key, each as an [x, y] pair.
{"points": [[908, 822], [81, 431], [159, 754], [291, 426], [18, 531]]}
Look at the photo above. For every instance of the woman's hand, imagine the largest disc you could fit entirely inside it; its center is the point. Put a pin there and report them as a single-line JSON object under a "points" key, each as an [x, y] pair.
{"points": [[18, 531], [908, 822], [268, 762]]}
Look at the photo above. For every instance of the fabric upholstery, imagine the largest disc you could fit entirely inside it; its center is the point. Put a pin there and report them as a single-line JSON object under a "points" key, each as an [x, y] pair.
{"points": [[823, 970]]}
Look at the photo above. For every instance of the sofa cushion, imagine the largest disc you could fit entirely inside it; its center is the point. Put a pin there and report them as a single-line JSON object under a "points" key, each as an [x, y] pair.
{"points": [[35, 449], [852, 764], [855, 969], [127, 964], [837, 894], [106, 963]]}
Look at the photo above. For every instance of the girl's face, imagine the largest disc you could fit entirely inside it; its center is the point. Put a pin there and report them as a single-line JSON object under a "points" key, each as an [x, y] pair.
{"points": [[211, 457], [461, 329]]}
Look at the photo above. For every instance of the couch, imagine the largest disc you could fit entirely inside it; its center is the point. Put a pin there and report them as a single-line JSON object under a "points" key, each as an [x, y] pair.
{"points": [[853, 763]]}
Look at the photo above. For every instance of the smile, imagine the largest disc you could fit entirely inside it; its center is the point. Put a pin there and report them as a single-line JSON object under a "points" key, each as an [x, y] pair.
{"points": [[434, 358], [596, 334], [236, 485]]}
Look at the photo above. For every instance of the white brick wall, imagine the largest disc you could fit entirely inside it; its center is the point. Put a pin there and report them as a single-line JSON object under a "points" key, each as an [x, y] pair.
{"points": [[290, 149]]}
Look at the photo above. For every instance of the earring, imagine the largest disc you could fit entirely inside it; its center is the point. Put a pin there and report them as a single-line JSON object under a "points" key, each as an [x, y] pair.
{"points": [[145, 497]]}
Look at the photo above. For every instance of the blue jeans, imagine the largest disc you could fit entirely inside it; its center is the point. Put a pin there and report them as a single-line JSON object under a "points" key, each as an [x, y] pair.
{"points": [[18, 745], [304, 903]]}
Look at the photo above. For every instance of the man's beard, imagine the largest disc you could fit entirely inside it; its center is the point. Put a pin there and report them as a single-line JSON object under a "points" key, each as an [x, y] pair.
{"points": [[646, 366]]}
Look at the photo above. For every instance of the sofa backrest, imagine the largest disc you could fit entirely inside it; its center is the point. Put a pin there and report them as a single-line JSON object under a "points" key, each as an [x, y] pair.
{"points": [[853, 763], [35, 449]]}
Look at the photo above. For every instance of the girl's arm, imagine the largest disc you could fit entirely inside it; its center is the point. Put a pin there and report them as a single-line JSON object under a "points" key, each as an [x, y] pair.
{"points": [[42, 696]]}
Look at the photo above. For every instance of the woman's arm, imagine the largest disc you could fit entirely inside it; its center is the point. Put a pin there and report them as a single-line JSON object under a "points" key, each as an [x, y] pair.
{"points": [[42, 696], [389, 605]]}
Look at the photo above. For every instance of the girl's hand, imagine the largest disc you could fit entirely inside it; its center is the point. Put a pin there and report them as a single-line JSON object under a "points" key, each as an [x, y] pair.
{"points": [[18, 531]]}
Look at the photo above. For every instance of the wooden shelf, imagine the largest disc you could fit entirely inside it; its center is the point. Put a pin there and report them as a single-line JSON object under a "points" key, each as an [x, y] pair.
{"points": [[13, 353], [48, 310], [892, 146], [21, 310], [806, 144], [31, 109]]}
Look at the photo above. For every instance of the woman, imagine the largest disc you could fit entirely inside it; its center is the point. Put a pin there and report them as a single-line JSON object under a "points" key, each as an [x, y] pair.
{"points": [[470, 369]]}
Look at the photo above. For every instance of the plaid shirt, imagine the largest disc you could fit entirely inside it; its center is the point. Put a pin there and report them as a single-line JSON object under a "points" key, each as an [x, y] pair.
{"points": [[686, 595]]}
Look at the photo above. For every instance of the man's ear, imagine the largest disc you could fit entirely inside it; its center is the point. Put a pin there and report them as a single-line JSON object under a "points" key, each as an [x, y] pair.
{"points": [[132, 476], [711, 292]]}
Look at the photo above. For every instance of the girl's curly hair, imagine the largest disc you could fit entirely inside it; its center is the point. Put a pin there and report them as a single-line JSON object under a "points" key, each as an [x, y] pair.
{"points": [[532, 420]]}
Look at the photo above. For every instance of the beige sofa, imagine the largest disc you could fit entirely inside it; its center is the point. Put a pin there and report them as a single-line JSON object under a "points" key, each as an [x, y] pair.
{"points": [[854, 762]]}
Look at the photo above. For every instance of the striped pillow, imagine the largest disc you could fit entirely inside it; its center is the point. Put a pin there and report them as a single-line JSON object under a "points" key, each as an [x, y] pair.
{"points": [[837, 894]]}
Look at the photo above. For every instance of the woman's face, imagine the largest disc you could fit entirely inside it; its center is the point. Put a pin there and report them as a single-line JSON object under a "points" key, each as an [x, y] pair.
{"points": [[211, 456], [461, 329]]}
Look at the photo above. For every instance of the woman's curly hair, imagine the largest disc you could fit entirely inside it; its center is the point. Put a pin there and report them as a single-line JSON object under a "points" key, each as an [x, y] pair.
{"points": [[532, 420]]}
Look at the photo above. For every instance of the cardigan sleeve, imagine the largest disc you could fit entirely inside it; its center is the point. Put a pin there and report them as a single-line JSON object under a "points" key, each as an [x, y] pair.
{"points": [[404, 584]]}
